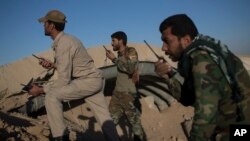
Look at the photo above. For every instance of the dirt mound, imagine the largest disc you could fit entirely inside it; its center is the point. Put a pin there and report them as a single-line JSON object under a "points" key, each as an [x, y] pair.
{"points": [[158, 126]]}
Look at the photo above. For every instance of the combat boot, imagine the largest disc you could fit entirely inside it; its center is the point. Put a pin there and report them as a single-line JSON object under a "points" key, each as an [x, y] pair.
{"points": [[139, 138], [62, 138]]}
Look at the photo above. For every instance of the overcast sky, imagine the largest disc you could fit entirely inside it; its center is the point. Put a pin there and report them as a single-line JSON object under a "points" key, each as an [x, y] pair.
{"points": [[93, 21]]}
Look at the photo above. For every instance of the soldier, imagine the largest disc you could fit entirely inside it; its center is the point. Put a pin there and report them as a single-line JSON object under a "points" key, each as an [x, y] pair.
{"points": [[78, 78], [205, 64], [125, 98]]}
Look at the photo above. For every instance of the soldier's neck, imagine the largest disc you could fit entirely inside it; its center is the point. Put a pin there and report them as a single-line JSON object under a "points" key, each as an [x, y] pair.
{"points": [[122, 50]]}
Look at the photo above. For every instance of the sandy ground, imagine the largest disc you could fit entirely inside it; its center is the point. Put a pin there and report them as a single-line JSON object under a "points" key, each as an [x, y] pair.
{"points": [[162, 125], [158, 126]]}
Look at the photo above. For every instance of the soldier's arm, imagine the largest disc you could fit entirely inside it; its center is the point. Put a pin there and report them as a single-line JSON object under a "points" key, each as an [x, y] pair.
{"points": [[173, 80], [131, 64], [63, 64], [208, 83], [174, 87], [111, 56], [132, 60]]}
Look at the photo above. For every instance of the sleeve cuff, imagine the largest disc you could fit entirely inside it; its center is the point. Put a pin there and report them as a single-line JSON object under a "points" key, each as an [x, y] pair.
{"points": [[114, 60], [46, 88]]}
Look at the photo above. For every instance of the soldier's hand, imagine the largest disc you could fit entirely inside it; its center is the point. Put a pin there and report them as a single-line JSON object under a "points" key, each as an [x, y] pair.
{"points": [[110, 55], [162, 68], [135, 77], [35, 90], [46, 63]]}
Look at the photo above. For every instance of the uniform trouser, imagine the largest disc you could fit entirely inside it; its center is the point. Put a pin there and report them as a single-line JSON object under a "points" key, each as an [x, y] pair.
{"points": [[124, 104], [91, 90], [222, 135]]}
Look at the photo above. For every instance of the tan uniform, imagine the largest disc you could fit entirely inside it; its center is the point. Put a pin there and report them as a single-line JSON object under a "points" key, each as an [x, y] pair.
{"points": [[77, 78]]}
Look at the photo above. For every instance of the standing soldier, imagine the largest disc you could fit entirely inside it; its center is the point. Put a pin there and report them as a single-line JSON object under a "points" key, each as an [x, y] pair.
{"points": [[125, 99]]}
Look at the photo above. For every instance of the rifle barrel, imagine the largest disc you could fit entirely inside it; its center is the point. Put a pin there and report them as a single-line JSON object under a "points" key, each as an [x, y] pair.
{"points": [[23, 84]]}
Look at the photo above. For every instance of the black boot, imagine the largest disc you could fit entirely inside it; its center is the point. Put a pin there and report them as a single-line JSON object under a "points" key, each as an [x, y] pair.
{"points": [[62, 138], [139, 138], [109, 131]]}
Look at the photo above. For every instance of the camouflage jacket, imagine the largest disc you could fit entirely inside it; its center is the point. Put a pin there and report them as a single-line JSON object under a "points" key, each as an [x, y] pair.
{"points": [[206, 88], [127, 66]]}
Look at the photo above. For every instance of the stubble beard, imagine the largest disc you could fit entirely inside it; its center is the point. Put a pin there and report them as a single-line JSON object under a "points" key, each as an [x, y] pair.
{"points": [[176, 57], [115, 48], [46, 33]]}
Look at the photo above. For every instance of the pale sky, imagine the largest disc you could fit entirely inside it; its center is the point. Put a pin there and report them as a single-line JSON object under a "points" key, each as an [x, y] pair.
{"points": [[93, 21]]}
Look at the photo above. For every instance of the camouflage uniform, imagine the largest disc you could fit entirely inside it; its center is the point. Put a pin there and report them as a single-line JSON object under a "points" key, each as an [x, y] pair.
{"points": [[206, 88], [125, 97]]}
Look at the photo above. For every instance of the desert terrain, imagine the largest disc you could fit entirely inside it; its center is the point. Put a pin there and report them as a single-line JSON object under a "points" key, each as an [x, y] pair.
{"points": [[162, 116]]}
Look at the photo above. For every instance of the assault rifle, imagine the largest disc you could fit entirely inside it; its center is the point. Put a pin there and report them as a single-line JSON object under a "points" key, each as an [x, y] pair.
{"points": [[28, 86], [161, 58]]}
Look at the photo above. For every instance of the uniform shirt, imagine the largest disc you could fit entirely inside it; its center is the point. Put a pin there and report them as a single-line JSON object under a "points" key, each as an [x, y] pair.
{"points": [[207, 89], [212, 97], [72, 61], [127, 64]]}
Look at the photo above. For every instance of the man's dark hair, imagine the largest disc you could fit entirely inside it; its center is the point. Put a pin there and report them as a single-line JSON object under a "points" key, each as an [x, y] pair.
{"points": [[120, 35], [181, 26], [58, 26]]}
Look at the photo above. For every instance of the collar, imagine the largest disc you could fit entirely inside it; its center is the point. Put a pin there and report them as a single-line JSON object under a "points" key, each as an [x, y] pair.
{"points": [[54, 45], [121, 53]]}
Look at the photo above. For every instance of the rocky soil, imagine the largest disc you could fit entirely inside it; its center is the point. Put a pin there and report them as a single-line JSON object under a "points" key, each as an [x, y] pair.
{"points": [[158, 125]]}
